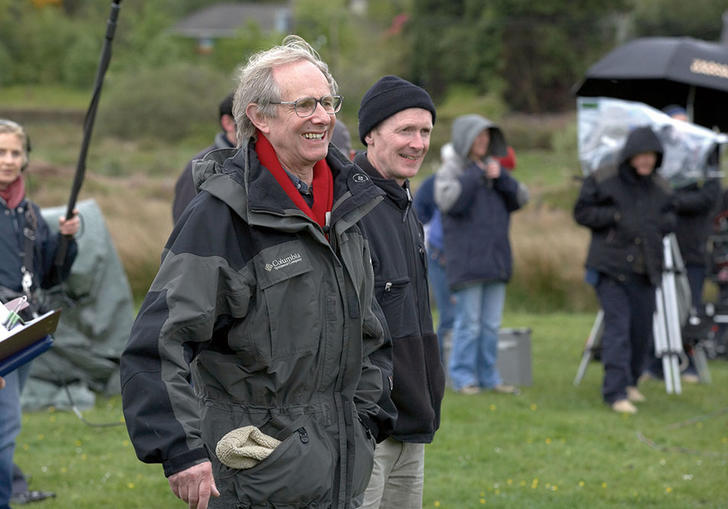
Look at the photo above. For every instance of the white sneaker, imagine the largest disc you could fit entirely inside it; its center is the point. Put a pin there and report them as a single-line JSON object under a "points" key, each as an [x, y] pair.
{"points": [[469, 390], [506, 389], [623, 406], [634, 395]]}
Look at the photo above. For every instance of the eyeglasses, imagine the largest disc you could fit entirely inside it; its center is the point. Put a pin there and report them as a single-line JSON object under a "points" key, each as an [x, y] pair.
{"points": [[306, 106]]}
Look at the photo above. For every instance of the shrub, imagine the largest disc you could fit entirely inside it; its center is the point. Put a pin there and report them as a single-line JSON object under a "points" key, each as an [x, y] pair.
{"points": [[168, 103], [549, 250], [81, 60]]}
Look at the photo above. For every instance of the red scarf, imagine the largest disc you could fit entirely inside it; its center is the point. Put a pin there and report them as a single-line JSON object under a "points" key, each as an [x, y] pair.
{"points": [[14, 193], [323, 182]]}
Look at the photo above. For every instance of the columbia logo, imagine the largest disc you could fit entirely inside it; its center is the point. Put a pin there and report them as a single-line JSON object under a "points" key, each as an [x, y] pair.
{"points": [[283, 262]]}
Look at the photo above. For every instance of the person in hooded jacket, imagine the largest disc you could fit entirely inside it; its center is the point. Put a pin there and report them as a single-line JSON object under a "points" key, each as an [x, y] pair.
{"points": [[476, 198], [628, 209], [27, 263], [257, 371], [395, 123]]}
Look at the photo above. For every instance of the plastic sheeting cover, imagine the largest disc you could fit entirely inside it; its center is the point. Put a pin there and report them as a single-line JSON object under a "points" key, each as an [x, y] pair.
{"points": [[603, 125]]}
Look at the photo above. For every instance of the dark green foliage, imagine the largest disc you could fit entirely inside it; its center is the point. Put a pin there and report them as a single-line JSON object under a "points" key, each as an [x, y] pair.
{"points": [[152, 104], [698, 18], [533, 52]]}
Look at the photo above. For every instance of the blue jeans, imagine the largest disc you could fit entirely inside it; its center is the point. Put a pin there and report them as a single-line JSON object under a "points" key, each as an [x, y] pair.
{"points": [[478, 313], [10, 415], [441, 292]]}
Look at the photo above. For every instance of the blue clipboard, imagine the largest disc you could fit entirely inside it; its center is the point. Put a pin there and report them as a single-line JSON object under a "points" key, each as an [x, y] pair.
{"points": [[25, 355], [27, 342]]}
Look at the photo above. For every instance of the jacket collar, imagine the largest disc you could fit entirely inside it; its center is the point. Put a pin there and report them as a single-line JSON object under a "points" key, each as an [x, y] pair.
{"points": [[400, 195], [237, 178]]}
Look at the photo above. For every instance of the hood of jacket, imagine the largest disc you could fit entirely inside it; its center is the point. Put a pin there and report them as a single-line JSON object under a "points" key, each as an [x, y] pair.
{"points": [[467, 127], [642, 139]]}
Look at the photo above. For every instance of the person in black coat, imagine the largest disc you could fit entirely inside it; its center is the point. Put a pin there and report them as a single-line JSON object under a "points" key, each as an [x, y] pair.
{"points": [[628, 210], [396, 119], [695, 204], [184, 188]]}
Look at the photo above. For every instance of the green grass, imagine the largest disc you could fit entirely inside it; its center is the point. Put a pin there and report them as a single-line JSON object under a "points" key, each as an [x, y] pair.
{"points": [[554, 446], [44, 97]]}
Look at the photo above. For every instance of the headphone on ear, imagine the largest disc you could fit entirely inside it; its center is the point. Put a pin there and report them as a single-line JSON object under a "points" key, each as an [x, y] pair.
{"points": [[18, 129]]}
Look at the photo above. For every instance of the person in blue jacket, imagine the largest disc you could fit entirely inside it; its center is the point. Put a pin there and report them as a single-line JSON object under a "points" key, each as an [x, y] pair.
{"points": [[476, 197], [22, 272], [428, 213]]}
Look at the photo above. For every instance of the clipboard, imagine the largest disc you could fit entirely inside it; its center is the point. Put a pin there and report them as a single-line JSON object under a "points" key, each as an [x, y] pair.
{"points": [[27, 341], [25, 355]]}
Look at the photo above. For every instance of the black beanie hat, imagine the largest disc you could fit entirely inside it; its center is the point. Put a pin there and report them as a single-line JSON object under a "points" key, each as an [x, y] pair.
{"points": [[226, 105], [390, 95]]}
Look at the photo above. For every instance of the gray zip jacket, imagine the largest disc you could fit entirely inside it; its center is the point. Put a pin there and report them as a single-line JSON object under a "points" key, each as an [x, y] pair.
{"points": [[256, 318]]}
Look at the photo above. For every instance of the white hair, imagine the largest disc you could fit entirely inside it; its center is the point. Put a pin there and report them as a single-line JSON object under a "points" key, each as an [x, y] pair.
{"points": [[257, 86]]}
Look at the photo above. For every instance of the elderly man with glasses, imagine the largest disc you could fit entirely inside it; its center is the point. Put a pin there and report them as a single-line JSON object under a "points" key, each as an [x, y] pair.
{"points": [[257, 371]]}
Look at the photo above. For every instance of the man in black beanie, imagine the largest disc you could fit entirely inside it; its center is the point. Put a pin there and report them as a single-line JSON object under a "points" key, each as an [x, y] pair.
{"points": [[395, 123]]}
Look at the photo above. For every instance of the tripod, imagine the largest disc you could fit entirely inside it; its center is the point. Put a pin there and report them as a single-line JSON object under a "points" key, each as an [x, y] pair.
{"points": [[666, 322], [672, 299]]}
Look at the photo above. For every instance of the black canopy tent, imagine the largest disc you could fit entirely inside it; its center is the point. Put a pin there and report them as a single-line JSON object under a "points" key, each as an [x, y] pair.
{"points": [[659, 71]]}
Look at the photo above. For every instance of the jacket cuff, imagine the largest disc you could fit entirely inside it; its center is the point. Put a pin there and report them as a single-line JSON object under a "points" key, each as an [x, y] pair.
{"points": [[184, 461]]}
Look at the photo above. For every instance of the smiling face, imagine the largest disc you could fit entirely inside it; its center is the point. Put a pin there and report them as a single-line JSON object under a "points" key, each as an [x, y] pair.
{"points": [[12, 158], [397, 147], [644, 163], [298, 142]]}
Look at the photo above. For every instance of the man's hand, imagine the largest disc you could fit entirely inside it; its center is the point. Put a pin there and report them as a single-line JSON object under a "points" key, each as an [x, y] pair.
{"points": [[194, 485], [2, 382]]}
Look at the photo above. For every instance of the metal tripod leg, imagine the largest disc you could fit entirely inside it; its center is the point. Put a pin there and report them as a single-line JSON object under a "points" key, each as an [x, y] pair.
{"points": [[595, 336], [701, 363], [659, 332], [666, 325]]}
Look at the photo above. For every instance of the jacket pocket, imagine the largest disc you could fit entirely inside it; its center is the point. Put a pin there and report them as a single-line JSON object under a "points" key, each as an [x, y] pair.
{"points": [[393, 296], [286, 320], [298, 473]]}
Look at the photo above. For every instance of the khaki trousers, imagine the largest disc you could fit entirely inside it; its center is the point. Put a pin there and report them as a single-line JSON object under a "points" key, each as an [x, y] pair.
{"points": [[398, 476]]}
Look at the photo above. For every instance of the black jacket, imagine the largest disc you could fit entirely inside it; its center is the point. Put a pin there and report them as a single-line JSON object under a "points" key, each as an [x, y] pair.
{"points": [[399, 259], [627, 214], [257, 316], [184, 188], [694, 206]]}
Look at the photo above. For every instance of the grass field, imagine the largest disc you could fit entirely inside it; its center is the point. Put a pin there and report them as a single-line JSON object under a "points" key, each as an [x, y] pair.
{"points": [[553, 446]]}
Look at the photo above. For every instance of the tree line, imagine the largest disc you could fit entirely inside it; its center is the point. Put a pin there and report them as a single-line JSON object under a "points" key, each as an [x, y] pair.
{"points": [[528, 54]]}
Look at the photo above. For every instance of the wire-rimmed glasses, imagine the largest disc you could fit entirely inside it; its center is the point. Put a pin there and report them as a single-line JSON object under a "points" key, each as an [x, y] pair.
{"points": [[306, 106]]}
